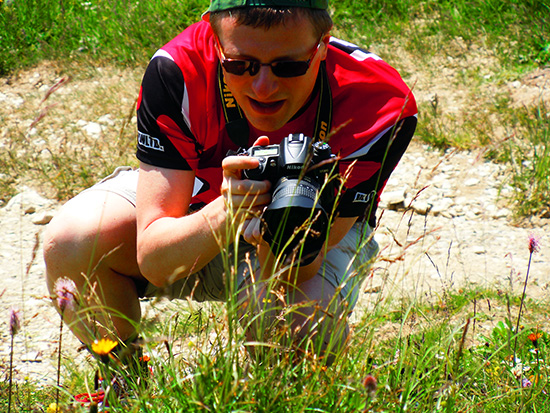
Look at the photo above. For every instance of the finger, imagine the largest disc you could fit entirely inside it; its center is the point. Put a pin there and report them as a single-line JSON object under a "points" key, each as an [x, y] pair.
{"points": [[249, 186], [232, 165], [261, 141], [251, 202], [251, 232]]}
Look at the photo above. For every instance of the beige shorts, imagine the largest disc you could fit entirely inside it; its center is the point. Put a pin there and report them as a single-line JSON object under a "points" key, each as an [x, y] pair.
{"points": [[345, 266]]}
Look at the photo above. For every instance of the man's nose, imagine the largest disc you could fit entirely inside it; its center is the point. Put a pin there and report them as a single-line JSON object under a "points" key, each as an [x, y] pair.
{"points": [[265, 83]]}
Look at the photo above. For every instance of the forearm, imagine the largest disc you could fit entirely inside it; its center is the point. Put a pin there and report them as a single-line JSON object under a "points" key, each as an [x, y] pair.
{"points": [[171, 248]]}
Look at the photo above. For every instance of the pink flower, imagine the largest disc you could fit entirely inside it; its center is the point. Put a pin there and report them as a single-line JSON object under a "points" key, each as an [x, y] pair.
{"points": [[534, 244], [15, 321], [65, 290], [370, 384]]}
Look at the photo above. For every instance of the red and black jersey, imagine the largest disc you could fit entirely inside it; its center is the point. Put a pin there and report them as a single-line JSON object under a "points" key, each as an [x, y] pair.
{"points": [[181, 123]]}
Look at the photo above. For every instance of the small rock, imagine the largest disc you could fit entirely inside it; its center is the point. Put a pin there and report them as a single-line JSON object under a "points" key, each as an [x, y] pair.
{"points": [[478, 249], [471, 182], [42, 218], [422, 207], [28, 198], [92, 129], [393, 200]]}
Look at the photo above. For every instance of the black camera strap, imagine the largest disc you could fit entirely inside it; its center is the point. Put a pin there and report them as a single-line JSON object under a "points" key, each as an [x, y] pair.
{"points": [[237, 125]]}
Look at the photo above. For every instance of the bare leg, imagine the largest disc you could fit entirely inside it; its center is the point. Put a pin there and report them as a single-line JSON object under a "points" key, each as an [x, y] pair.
{"points": [[93, 242]]}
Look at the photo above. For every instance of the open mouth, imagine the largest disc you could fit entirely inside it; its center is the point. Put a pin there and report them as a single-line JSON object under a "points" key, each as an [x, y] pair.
{"points": [[266, 108]]}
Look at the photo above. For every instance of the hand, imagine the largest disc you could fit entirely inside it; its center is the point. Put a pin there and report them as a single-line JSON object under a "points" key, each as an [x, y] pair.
{"points": [[247, 197], [251, 231]]}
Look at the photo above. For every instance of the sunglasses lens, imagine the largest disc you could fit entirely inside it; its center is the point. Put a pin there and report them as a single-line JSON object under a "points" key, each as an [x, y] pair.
{"points": [[281, 69], [235, 67], [290, 68]]}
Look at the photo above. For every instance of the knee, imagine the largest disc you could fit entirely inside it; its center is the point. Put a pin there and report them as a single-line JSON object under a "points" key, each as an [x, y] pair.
{"points": [[65, 244], [91, 232]]}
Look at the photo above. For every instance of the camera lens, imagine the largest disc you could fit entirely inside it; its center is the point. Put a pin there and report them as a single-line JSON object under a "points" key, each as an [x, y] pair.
{"points": [[294, 222]]}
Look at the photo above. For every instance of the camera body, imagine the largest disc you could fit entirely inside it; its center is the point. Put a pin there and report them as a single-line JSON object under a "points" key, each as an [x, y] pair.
{"points": [[289, 158], [296, 221]]}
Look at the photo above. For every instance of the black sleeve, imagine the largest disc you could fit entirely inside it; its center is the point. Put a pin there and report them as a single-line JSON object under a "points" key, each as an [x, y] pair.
{"points": [[161, 126], [362, 200]]}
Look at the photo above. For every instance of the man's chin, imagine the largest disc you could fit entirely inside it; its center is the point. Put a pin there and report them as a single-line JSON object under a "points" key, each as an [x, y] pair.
{"points": [[266, 123]]}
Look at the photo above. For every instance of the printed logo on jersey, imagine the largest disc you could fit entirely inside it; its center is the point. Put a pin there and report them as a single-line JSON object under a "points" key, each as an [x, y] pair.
{"points": [[363, 198], [149, 142]]}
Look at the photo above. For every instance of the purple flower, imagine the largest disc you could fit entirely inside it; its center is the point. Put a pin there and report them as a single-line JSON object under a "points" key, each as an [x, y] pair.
{"points": [[65, 290], [534, 244], [526, 382], [15, 321]]}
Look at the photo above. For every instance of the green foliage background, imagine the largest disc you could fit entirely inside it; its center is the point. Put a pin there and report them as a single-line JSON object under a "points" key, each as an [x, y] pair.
{"points": [[128, 31]]}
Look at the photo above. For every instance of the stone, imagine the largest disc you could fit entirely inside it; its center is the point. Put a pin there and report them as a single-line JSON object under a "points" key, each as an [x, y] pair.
{"points": [[393, 200], [42, 218]]}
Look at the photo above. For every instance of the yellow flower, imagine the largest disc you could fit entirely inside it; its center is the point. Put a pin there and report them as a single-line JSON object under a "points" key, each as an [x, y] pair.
{"points": [[103, 347], [53, 408]]}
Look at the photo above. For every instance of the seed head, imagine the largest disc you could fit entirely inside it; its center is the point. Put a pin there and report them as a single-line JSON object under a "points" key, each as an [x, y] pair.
{"points": [[370, 384], [534, 244], [65, 290], [15, 321]]}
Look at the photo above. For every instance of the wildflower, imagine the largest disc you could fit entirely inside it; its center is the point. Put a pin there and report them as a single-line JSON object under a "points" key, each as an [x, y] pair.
{"points": [[53, 408], [519, 369], [103, 347], [534, 244], [15, 321], [65, 290], [526, 382], [15, 325], [370, 384], [533, 337]]}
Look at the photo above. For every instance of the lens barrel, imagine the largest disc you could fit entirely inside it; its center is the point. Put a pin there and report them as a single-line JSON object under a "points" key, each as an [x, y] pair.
{"points": [[295, 222]]}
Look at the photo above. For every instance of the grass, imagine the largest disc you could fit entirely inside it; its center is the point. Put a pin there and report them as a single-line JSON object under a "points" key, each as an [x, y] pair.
{"points": [[453, 353]]}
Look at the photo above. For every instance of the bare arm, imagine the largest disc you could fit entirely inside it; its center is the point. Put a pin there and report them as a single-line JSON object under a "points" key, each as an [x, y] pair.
{"points": [[172, 244]]}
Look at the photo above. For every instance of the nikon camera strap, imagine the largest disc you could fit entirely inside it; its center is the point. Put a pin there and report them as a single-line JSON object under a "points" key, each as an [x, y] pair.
{"points": [[237, 125]]}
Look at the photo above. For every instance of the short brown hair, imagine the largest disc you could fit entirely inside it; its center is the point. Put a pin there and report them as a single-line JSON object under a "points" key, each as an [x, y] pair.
{"points": [[267, 17]]}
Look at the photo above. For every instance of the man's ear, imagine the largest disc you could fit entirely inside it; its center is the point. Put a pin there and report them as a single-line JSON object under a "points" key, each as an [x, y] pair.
{"points": [[325, 40]]}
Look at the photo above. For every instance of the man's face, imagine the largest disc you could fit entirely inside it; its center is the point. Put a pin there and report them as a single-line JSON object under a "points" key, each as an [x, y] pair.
{"points": [[268, 101]]}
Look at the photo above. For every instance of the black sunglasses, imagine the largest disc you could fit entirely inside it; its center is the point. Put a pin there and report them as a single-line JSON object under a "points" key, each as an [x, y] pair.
{"points": [[281, 68]]}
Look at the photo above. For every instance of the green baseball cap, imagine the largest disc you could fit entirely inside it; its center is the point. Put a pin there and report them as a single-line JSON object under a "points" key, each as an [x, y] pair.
{"points": [[220, 5]]}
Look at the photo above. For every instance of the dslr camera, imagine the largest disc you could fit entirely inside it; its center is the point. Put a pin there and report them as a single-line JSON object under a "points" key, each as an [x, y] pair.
{"points": [[296, 221]]}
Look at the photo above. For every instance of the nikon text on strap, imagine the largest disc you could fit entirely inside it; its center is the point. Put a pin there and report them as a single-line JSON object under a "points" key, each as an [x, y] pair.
{"points": [[237, 125]]}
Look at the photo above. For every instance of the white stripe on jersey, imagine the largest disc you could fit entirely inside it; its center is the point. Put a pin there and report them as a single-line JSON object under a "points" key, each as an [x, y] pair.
{"points": [[358, 54], [185, 108], [162, 53], [365, 149]]}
